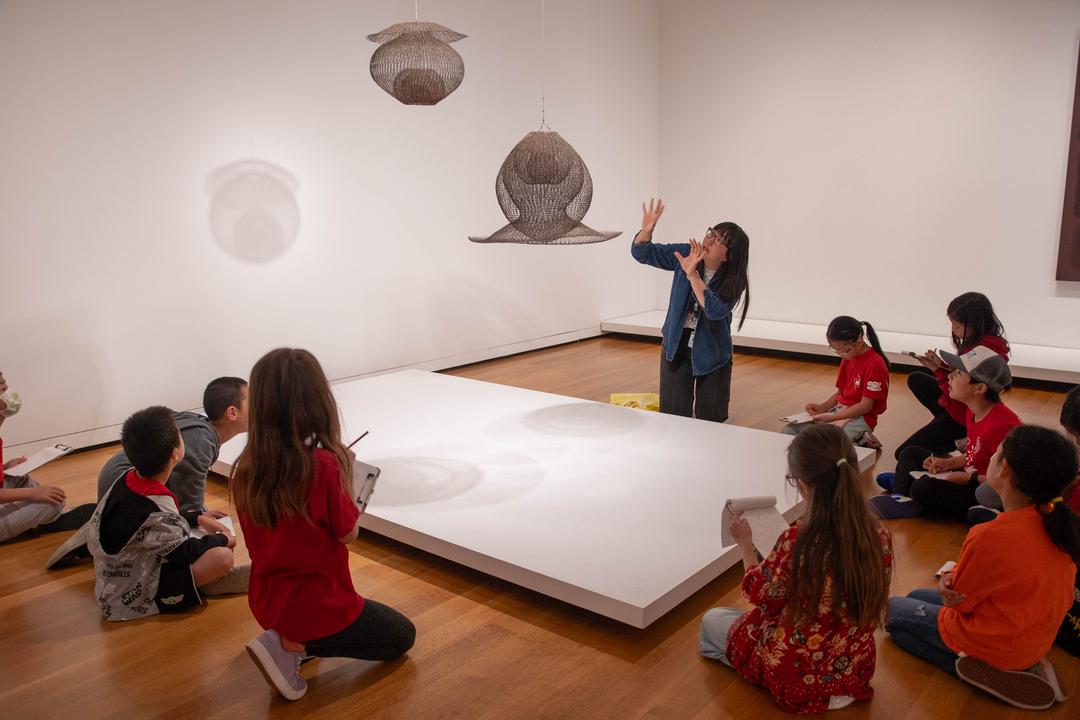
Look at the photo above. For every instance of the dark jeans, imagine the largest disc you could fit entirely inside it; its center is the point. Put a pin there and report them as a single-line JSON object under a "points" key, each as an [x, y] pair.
{"points": [[380, 633], [939, 436], [912, 623], [705, 397], [937, 497]]}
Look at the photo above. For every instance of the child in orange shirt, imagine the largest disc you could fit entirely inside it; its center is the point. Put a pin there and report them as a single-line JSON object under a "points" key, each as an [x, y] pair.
{"points": [[996, 615]]}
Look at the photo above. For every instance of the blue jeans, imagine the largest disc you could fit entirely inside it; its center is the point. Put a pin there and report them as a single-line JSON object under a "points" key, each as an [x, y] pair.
{"points": [[912, 623], [715, 627]]}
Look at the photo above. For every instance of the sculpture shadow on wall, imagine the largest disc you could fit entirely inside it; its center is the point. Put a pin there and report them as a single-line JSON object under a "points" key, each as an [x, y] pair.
{"points": [[254, 215]]}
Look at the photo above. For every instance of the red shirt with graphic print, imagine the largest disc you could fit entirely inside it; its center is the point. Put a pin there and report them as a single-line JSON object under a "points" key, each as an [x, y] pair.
{"points": [[862, 376], [985, 435]]}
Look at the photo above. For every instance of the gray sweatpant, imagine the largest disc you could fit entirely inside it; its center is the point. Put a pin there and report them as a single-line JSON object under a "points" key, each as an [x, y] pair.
{"points": [[18, 517]]}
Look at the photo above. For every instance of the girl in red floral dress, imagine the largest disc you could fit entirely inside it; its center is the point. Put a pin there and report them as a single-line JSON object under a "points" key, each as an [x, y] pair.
{"points": [[818, 596]]}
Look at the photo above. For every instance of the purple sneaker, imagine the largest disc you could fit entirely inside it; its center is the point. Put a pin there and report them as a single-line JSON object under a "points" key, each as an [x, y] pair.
{"points": [[280, 667]]}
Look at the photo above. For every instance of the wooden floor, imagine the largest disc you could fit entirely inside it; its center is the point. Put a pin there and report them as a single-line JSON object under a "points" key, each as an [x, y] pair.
{"points": [[485, 649]]}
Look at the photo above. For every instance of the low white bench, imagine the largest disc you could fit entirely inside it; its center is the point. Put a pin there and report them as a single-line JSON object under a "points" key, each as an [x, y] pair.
{"points": [[1033, 362]]}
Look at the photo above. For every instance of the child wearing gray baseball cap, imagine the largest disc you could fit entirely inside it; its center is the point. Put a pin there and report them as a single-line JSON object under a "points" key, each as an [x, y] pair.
{"points": [[946, 486]]}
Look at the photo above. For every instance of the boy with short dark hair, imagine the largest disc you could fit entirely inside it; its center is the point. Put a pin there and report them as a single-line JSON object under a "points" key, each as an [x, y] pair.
{"points": [[225, 405], [145, 560]]}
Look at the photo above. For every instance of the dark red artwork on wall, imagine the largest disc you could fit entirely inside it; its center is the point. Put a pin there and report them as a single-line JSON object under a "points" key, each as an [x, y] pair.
{"points": [[1068, 267]]}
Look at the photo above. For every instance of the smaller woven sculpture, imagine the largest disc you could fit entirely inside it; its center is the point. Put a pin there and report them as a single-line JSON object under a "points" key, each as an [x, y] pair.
{"points": [[544, 189], [415, 63]]}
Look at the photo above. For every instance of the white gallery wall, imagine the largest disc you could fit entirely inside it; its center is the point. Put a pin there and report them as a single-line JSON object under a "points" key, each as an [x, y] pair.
{"points": [[882, 156], [115, 294]]}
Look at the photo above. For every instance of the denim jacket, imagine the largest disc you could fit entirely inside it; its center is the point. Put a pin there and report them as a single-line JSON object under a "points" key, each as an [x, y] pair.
{"points": [[712, 342]]}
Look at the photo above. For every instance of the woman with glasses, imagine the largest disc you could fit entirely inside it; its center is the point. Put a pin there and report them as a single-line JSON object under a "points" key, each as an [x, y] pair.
{"points": [[710, 278]]}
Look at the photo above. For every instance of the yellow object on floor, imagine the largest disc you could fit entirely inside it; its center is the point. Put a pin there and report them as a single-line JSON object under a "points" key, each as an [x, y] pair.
{"points": [[641, 401]]}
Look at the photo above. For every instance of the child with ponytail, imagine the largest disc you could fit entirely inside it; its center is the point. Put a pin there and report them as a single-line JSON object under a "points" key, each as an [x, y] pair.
{"points": [[995, 616], [818, 596], [292, 488], [862, 385]]}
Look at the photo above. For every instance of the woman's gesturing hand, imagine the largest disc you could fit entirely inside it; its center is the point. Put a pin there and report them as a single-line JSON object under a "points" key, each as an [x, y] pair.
{"points": [[651, 213], [690, 262]]}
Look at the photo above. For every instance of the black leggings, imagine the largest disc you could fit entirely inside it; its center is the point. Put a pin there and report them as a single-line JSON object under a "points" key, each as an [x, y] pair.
{"points": [[705, 397], [938, 436], [379, 633], [938, 497]]}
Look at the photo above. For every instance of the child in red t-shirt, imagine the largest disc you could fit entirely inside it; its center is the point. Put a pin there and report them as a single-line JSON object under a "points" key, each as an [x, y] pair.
{"points": [[972, 323], [946, 486], [862, 385], [292, 487]]}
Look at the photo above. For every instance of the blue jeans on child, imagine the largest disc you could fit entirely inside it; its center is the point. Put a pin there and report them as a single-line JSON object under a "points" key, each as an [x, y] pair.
{"points": [[913, 624], [715, 626]]}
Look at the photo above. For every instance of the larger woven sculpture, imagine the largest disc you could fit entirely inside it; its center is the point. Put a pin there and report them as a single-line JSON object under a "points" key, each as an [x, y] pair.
{"points": [[415, 62], [544, 189]]}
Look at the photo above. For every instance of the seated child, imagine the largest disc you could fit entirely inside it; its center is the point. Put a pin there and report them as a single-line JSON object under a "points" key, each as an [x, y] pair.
{"points": [[994, 617], [145, 560], [818, 596], [225, 404], [292, 486], [862, 385], [977, 380], [25, 505]]}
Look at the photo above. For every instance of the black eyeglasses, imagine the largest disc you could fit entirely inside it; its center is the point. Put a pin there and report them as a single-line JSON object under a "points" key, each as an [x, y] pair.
{"points": [[716, 235]]}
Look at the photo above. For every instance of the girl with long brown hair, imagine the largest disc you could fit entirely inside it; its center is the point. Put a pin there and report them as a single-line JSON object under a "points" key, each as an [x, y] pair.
{"points": [[292, 488], [818, 596]]}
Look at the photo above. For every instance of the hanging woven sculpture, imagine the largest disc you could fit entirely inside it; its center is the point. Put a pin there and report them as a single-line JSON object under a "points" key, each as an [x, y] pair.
{"points": [[415, 63], [544, 189]]}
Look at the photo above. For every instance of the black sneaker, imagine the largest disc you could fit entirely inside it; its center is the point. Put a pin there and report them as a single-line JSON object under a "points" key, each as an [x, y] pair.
{"points": [[71, 551], [73, 519], [980, 514]]}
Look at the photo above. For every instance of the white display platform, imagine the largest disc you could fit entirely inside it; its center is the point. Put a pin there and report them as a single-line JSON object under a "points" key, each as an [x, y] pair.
{"points": [[607, 508], [1034, 362]]}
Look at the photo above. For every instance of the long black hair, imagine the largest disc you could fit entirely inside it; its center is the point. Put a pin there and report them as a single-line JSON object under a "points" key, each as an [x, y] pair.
{"points": [[1044, 463], [732, 281], [974, 311], [847, 329]]}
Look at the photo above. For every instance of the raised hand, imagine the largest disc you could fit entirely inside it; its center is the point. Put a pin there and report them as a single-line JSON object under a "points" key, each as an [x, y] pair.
{"points": [[651, 214], [695, 256]]}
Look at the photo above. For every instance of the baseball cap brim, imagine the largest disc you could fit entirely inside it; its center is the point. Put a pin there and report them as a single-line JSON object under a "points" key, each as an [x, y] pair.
{"points": [[952, 361]]}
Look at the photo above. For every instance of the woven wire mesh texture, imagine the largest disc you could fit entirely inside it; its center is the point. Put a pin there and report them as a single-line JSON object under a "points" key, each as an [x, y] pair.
{"points": [[544, 189], [415, 63]]}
